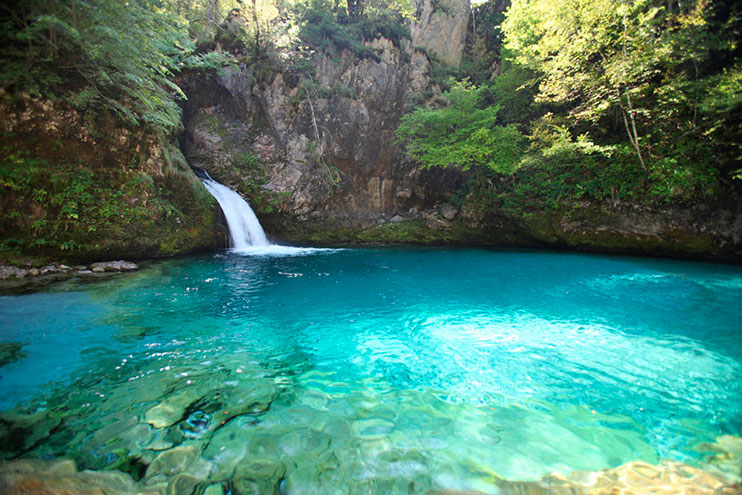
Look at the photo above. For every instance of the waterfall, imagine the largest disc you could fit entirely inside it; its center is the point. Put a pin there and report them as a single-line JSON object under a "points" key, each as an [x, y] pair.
{"points": [[244, 227], [247, 236]]}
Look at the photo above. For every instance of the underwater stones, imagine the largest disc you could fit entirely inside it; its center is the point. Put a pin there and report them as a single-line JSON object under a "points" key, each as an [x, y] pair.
{"points": [[119, 427], [19, 432], [258, 476], [372, 429], [171, 409], [60, 477], [173, 461], [219, 407], [181, 468], [160, 441], [231, 443], [214, 489], [304, 441], [728, 457], [60, 467], [183, 484], [633, 478], [196, 425]]}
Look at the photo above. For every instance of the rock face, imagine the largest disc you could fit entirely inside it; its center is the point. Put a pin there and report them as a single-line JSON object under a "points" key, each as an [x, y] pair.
{"points": [[316, 152], [663, 230], [441, 28]]}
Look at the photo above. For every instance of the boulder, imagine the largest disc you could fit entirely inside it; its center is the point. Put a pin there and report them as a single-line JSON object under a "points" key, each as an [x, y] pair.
{"points": [[113, 266], [7, 271]]}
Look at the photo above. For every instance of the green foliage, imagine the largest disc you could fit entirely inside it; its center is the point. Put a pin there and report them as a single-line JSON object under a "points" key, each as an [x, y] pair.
{"points": [[461, 133], [514, 91], [99, 54], [639, 69], [483, 48], [326, 28], [69, 206], [623, 101]]}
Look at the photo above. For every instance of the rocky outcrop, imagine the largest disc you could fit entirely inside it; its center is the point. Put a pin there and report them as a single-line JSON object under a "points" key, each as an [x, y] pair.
{"points": [[82, 186], [708, 231], [441, 28], [319, 155], [316, 151], [353, 184]]}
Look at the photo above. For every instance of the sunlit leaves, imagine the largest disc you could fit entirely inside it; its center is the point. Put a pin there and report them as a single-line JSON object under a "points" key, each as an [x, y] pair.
{"points": [[461, 133], [645, 72]]}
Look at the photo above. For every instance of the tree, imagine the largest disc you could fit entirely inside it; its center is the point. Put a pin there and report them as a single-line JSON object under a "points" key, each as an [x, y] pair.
{"points": [[110, 54], [461, 133], [644, 64]]}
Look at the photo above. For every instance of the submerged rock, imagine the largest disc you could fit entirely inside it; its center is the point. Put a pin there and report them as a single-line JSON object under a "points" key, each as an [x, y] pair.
{"points": [[10, 352], [214, 489], [633, 478], [196, 425], [61, 477], [184, 484], [181, 468], [258, 476], [728, 455], [173, 461], [171, 410], [20, 432]]}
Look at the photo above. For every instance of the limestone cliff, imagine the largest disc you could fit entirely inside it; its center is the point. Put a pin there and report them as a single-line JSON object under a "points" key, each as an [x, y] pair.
{"points": [[441, 28], [316, 152]]}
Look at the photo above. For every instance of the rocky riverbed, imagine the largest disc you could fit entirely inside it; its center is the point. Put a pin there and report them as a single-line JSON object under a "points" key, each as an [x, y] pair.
{"points": [[232, 426]]}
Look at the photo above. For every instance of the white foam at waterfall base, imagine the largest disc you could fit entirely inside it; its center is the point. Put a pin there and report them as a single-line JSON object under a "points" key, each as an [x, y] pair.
{"points": [[246, 234]]}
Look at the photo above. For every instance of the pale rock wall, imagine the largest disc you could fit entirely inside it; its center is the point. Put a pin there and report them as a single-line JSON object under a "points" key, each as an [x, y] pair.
{"points": [[441, 28], [362, 177]]}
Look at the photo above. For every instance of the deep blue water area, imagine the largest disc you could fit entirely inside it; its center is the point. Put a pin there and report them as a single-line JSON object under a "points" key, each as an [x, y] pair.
{"points": [[482, 363]]}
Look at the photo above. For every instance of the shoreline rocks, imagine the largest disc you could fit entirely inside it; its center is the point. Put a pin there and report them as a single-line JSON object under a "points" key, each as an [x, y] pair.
{"points": [[15, 272], [27, 278]]}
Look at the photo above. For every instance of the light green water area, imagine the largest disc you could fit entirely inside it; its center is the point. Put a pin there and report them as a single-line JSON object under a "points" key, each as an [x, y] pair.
{"points": [[321, 371]]}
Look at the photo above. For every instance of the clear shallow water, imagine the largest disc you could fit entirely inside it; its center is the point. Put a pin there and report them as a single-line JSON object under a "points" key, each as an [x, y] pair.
{"points": [[452, 368]]}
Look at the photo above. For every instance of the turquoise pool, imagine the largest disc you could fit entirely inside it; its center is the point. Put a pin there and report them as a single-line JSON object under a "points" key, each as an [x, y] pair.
{"points": [[448, 368]]}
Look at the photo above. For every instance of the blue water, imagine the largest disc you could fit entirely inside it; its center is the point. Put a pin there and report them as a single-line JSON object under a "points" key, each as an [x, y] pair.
{"points": [[485, 364]]}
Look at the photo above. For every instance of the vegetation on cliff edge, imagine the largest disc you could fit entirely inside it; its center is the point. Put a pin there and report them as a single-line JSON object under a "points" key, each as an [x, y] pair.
{"points": [[617, 100]]}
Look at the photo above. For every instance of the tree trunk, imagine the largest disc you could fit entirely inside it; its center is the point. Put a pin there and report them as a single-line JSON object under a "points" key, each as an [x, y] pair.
{"points": [[257, 27], [74, 14], [628, 111], [53, 32]]}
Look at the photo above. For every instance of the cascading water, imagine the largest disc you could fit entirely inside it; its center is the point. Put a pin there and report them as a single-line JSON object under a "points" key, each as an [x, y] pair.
{"points": [[246, 234], [244, 228]]}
